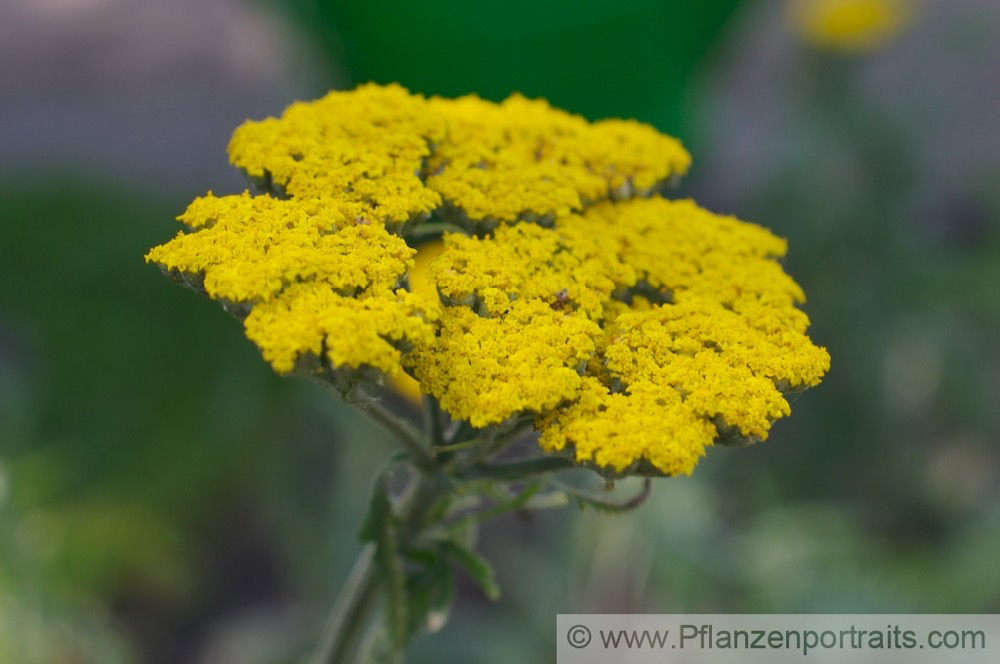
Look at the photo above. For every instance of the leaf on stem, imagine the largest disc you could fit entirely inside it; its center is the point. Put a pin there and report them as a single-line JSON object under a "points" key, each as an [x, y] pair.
{"points": [[430, 588], [382, 527], [478, 568]]}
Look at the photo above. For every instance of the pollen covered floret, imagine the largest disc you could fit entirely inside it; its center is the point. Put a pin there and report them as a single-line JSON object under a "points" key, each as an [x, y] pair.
{"points": [[362, 151], [523, 159], [566, 268], [690, 361], [310, 320], [644, 426], [487, 370], [385, 155], [314, 283], [694, 331], [248, 248], [635, 330]]}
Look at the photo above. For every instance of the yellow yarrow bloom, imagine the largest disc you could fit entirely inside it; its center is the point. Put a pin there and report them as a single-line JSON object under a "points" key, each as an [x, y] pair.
{"points": [[249, 248], [635, 330]]}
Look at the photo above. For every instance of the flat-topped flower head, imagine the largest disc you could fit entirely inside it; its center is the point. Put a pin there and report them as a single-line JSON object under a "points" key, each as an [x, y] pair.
{"points": [[634, 330]]}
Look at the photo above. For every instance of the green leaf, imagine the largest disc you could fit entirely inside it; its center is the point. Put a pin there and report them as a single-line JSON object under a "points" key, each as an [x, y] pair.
{"points": [[430, 588], [504, 505], [441, 602], [381, 526], [475, 566], [390, 567], [380, 506]]}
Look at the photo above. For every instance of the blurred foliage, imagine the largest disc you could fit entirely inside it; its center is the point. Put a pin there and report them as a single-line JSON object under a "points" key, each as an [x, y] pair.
{"points": [[632, 58], [147, 455], [30, 633]]}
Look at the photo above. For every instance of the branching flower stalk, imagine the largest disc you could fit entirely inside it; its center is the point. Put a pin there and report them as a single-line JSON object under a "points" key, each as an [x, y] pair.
{"points": [[574, 316]]}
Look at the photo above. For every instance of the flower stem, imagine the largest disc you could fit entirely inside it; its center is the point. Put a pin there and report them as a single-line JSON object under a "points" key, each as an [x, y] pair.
{"points": [[432, 421], [405, 433], [457, 447], [342, 641], [517, 470], [347, 619]]}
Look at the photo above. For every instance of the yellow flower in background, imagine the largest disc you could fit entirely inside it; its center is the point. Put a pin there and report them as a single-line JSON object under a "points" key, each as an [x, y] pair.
{"points": [[849, 25], [634, 330]]}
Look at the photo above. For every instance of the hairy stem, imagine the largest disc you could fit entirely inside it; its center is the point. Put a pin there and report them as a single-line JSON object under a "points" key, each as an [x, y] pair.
{"points": [[346, 622], [407, 434], [341, 642]]}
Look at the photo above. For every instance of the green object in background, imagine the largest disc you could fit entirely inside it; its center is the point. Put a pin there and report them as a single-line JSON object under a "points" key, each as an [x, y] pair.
{"points": [[631, 58], [143, 463]]}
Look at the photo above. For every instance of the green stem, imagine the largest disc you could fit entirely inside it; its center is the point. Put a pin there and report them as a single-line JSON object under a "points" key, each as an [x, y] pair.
{"points": [[497, 443], [350, 612], [405, 433], [517, 470], [601, 503], [457, 447], [341, 637], [432, 422], [398, 524], [510, 504]]}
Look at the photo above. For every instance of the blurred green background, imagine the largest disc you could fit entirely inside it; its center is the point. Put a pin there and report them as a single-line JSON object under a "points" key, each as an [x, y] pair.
{"points": [[164, 497]]}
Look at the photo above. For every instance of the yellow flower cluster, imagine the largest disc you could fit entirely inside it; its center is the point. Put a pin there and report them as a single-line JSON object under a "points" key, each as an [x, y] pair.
{"points": [[315, 285], [524, 159], [636, 330], [486, 370], [361, 152]]}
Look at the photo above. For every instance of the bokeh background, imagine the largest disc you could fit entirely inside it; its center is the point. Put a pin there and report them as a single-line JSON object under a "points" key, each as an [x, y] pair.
{"points": [[164, 497]]}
